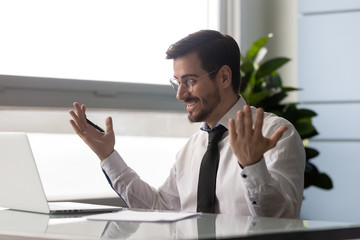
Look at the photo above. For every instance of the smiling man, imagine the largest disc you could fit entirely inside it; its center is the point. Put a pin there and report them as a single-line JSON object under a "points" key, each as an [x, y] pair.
{"points": [[242, 161]]}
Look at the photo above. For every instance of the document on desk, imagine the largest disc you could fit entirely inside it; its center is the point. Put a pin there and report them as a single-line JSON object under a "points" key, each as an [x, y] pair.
{"points": [[142, 216]]}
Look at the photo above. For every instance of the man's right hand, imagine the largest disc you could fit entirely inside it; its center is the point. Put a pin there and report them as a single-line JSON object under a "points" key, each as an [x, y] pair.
{"points": [[102, 143]]}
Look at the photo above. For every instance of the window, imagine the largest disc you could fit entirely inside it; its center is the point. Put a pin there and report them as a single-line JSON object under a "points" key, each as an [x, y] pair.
{"points": [[94, 39], [52, 45]]}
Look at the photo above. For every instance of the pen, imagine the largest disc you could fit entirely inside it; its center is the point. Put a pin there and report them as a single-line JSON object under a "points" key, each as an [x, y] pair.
{"points": [[95, 126]]}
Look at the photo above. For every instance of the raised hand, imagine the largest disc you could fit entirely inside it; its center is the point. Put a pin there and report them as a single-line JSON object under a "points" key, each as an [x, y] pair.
{"points": [[246, 140], [102, 143]]}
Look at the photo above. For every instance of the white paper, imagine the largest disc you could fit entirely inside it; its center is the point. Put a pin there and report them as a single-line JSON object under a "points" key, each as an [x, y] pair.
{"points": [[142, 216]]}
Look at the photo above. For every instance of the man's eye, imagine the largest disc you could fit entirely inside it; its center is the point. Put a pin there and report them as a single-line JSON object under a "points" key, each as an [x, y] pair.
{"points": [[190, 82]]}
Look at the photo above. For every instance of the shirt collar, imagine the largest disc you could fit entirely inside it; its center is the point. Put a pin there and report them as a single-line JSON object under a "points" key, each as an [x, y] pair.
{"points": [[206, 127]]}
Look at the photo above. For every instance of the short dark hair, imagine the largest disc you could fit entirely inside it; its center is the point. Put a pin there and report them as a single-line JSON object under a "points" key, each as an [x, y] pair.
{"points": [[214, 50]]}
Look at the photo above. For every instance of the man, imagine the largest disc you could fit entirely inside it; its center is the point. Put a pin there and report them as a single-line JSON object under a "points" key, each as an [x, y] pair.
{"points": [[260, 165]]}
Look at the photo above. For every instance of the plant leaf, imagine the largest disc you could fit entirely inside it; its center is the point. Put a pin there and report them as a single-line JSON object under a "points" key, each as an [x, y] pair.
{"points": [[306, 113], [311, 173], [254, 98], [289, 89], [304, 128], [255, 47], [323, 181], [273, 81], [309, 135], [311, 153], [290, 113], [247, 67], [315, 178], [245, 79], [271, 65], [273, 101]]}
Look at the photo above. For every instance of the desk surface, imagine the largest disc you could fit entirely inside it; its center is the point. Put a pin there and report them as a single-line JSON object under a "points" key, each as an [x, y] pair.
{"points": [[24, 225]]}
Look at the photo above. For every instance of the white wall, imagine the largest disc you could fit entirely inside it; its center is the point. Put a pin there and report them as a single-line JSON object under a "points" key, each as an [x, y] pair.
{"points": [[328, 39]]}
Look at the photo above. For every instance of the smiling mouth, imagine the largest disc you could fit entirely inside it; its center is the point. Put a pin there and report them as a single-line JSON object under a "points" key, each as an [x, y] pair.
{"points": [[190, 104]]}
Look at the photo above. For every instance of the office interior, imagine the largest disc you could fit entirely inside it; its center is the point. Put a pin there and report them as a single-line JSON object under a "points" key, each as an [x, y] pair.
{"points": [[319, 36]]}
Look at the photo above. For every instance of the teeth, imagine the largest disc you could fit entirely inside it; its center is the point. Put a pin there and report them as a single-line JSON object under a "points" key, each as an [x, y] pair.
{"points": [[191, 104]]}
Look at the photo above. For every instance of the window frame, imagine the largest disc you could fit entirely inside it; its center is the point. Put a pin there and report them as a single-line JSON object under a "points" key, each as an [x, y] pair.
{"points": [[46, 92]]}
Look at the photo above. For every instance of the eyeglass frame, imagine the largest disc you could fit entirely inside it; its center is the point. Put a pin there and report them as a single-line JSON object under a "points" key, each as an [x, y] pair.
{"points": [[188, 83]]}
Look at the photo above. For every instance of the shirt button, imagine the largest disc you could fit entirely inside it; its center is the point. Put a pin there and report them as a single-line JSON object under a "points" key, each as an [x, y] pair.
{"points": [[244, 176]]}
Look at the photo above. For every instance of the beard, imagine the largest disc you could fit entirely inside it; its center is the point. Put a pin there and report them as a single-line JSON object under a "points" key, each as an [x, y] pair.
{"points": [[208, 104]]}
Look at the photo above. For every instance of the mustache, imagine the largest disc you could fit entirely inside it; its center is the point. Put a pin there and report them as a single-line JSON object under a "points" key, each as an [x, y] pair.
{"points": [[190, 99]]}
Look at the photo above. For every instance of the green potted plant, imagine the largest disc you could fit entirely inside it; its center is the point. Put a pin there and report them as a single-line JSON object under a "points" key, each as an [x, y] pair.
{"points": [[262, 86]]}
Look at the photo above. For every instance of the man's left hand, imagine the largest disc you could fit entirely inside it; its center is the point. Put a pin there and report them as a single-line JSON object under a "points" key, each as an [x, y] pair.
{"points": [[246, 140]]}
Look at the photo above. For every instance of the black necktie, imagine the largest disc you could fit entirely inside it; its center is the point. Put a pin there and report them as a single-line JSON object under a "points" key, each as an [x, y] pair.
{"points": [[208, 171]]}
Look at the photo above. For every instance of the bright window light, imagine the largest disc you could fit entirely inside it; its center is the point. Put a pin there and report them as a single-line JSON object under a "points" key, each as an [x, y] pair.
{"points": [[103, 40]]}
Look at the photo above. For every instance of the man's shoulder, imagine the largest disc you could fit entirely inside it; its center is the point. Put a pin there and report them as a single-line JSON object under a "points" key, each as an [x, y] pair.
{"points": [[200, 134], [270, 117], [197, 138], [274, 119]]}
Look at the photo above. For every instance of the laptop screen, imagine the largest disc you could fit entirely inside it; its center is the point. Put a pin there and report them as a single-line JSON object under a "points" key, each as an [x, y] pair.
{"points": [[20, 184]]}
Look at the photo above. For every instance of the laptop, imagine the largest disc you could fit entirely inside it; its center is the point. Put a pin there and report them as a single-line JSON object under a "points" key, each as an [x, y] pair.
{"points": [[20, 184]]}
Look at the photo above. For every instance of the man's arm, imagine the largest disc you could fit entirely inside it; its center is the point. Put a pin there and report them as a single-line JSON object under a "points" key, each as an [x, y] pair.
{"points": [[136, 192], [122, 178], [273, 167]]}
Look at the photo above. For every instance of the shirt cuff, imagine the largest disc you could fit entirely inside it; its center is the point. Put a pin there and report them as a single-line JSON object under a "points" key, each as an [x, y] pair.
{"points": [[255, 175], [113, 165]]}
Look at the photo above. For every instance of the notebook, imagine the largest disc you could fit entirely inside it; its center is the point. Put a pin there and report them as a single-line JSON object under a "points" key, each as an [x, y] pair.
{"points": [[20, 183]]}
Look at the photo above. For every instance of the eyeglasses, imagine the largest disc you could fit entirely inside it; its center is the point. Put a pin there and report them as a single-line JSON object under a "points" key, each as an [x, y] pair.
{"points": [[187, 82]]}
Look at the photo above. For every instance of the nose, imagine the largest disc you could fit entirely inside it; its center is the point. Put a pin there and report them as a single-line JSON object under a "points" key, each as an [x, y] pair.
{"points": [[182, 92]]}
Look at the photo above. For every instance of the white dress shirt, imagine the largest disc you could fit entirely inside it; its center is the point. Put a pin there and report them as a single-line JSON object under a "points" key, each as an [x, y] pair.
{"points": [[273, 187]]}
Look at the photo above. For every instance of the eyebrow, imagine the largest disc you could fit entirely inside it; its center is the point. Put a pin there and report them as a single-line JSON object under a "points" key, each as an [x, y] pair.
{"points": [[188, 75]]}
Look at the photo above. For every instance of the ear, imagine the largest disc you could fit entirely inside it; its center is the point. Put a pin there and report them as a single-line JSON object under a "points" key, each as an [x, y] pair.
{"points": [[225, 76]]}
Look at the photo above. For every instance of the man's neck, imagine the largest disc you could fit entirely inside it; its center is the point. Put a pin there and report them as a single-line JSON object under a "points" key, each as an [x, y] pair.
{"points": [[225, 107]]}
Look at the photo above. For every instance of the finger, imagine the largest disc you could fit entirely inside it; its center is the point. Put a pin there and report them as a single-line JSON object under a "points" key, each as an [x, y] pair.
{"points": [[240, 124], [109, 124], [76, 128], [74, 116], [76, 106], [276, 136], [83, 117], [248, 122], [232, 131], [80, 113], [259, 122]]}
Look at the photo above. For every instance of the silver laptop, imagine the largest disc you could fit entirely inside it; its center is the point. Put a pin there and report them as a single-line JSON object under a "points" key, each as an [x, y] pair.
{"points": [[20, 183]]}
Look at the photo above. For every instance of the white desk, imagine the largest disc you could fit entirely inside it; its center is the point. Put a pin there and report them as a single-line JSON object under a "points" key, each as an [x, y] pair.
{"points": [[22, 225]]}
